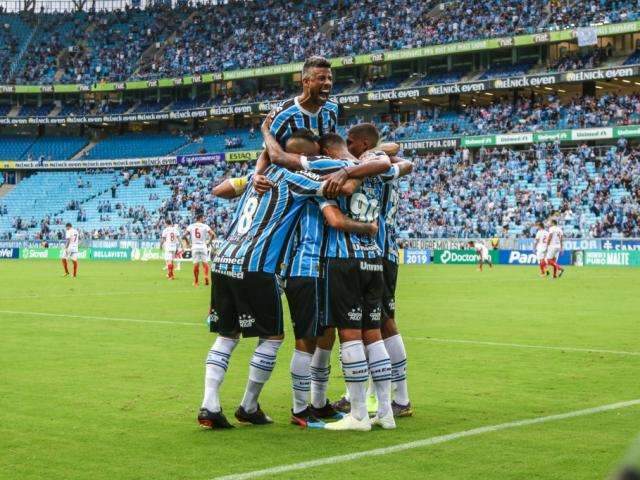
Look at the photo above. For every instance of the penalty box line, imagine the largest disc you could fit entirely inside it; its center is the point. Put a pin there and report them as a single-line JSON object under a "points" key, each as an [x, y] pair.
{"points": [[430, 339], [427, 442]]}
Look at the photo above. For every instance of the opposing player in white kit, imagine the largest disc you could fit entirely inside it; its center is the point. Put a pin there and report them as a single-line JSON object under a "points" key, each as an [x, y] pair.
{"points": [[554, 248], [540, 247], [483, 253], [199, 238], [170, 243], [72, 238]]}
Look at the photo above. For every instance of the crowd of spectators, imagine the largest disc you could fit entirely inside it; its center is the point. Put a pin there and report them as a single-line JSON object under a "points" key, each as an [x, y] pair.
{"points": [[196, 38]]}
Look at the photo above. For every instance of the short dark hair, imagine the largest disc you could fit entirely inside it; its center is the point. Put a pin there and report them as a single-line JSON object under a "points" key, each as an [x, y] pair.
{"points": [[554, 222], [168, 221], [366, 130], [329, 140], [305, 134], [68, 225], [315, 61]]}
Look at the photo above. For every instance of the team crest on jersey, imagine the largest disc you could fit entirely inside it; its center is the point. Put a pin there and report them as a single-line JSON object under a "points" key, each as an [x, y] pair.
{"points": [[246, 321], [355, 315]]}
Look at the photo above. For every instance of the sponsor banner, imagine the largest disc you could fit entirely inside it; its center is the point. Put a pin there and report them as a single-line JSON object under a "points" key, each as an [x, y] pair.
{"points": [[552, 136], [110, 254], [610, 258], [201, 159], [460, 257], [399, 94], [49, 253], [478, 141], [74, 164], [433, 144], [414, 256], [9, 253], [146, 254], [591, 133], [529, 257], [242, 156], [632, 131], [526, 81], [632, 245], [451, 88], [514, 138], [568, 244]]}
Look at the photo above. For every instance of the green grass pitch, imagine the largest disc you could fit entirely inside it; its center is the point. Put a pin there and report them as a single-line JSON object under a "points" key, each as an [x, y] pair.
{"points": [[85, 393]]}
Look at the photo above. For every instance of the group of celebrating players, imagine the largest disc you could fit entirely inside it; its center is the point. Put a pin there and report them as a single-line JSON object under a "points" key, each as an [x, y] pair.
{"points": [[317, 219]]}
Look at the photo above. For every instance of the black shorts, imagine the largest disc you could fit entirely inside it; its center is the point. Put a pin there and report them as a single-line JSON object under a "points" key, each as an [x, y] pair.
{"points": [[390, 274], [249, 305], [305, 296], [354, 293]]}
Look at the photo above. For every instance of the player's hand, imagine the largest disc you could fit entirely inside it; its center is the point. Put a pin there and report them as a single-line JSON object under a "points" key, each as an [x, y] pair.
{"points": [[373, 228], [334, 182], [261, 184], [266, 124]]}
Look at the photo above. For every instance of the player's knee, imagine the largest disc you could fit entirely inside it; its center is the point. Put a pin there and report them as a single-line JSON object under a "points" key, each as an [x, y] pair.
{"points": [[349, 334], [307, 345], [389, 328], [327, 339], [371, 335]]}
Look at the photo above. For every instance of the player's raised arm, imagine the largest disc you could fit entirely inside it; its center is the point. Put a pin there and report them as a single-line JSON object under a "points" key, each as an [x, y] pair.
{"points": [[277, 155], [390, 148], [405, 167], [338, 220]]}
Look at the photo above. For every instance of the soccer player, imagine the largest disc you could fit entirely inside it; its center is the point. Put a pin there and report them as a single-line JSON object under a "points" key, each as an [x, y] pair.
{"points": [[170, 242], [305, 271], [555, 242], [483, 253], [312, 109], [246, 298], [72, 238], [540, 247], [200, 236]]}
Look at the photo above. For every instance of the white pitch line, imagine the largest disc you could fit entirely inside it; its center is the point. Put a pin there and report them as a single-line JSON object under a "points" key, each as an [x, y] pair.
{"points": [[93, 317], [95, 294], [432, 339], [522, 345], [425, 442]]}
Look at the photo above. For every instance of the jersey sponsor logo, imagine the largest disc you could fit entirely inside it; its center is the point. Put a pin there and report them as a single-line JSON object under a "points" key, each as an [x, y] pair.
{"points": [[246, 321], [228, 260], [391, 305], [355, 315], [370, 267], [376, 314], [216, 269]]}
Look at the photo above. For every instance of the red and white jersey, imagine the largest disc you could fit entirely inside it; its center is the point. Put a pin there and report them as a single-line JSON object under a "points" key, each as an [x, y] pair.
{"points": [[481, 248], [556, 234], [73, 237], [171, 237], [199, 233], [541, 239]]}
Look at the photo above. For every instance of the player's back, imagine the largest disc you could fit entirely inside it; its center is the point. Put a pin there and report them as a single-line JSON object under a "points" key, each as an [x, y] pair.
{"points": [[556, 234], [170, 235], [387, 234], [263, 224], [199, 233]]}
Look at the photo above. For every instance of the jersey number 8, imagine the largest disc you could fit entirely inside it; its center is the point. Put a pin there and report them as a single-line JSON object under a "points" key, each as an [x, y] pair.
{"points": [[246, 218]]}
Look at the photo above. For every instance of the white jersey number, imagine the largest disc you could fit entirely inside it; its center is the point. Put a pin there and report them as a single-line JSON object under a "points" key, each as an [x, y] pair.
{"points": [[364, 209], [246, 219]]}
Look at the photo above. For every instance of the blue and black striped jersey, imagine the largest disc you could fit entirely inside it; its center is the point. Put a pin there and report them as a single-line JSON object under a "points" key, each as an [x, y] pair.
{"points": [[262, 224], [291, 117], [387, 235], [310, 232]]}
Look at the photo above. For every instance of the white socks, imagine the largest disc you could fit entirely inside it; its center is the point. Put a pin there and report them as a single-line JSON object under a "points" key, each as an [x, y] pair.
{"points": [[356, 374], [380, 368], [216, 366], [398, 357], [260, 368], [320, 370], [300, 379]]}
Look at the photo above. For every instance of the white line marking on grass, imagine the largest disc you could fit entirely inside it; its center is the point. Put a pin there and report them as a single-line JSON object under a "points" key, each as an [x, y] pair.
{"points": [[95, 294], [93, 317], [425, 442], [521, 345], [431, 339]]}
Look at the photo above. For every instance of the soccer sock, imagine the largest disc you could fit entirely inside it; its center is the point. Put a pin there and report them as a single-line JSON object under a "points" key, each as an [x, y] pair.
{"points": [[554, 265], [543, 266], [216, 366], [320, 370], [380, 368], [260, 368], [196, 272], [170, 268], [300, 379], [356, 374], [75, 267], [205, 267], [64, 264], [398, 356]]}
